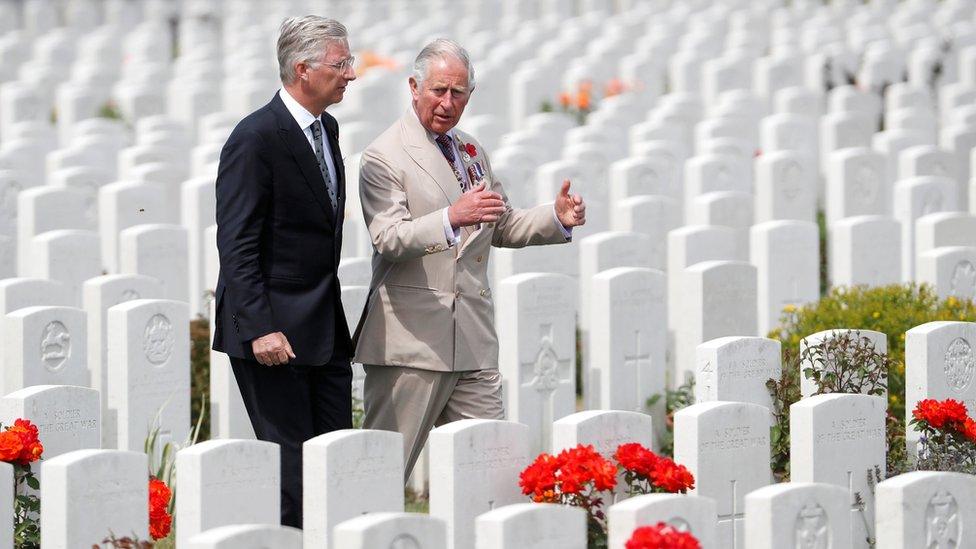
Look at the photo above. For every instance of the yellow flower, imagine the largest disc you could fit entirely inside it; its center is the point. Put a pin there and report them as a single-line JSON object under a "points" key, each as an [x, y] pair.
{"points": [[795, 339], [952, 301], [876, 314], [902, 336], [790, 308]]}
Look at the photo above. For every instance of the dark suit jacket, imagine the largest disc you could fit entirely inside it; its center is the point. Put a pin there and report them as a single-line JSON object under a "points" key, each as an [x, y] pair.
{"points": [[278, 239]]}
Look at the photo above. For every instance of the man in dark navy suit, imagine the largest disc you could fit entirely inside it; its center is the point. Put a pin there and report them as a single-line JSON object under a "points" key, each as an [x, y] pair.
{"points": [[280, 199]]}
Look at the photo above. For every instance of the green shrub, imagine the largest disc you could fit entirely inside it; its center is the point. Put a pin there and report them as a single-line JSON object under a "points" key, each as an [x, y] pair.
{"points": [[892, 310], [200, 374]]}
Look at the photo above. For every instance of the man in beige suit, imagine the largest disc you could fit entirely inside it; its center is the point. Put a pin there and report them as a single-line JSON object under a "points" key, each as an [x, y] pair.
{"points": [[434, 209]]}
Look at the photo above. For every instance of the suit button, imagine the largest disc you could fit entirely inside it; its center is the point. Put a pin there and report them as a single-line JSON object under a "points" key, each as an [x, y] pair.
{"points": [[457, 294], [480, 259], [484, 293]]}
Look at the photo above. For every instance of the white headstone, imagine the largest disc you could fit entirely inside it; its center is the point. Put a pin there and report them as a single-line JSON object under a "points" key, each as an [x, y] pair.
{"points": [[736, 369], [124, 204], [865, 249], [796, 514], [940, 363], [69, 256], [950, 270], [159, 251], [944, 229], [786, 187], [355, 271], [392, 531], [857, 184], [347, 473], [474, 468], [532, 526], [840, 439], [67, 417], [718, 298], [684, 512], [46, 208], [149, 370], [914, 198], [98, 294], [248, 536], [725, 445], [198, 214], [926, 509], [787, 259], [228, 416], [112, 484], [44, 345], [537, 351], [227, 482], [628, 339]]}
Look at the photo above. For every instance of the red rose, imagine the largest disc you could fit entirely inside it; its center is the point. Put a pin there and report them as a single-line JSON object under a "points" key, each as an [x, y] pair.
{"points": [[671, 477], [968, 429], [160, 520], [661, 536], [636, 459], [159, 527], [940, 415], [471, 150], [540, 476]]}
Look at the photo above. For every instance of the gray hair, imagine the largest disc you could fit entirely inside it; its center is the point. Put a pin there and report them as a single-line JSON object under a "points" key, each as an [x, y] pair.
{"points": [[301, 39], [439, 49]]}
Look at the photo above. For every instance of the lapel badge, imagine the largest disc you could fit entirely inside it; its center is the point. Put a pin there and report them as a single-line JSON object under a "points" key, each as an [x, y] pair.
{"points": [[476, 172]]}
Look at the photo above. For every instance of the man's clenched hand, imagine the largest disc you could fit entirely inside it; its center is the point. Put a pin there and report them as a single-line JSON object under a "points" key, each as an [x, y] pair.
{"points": [[272, 349], [478, 205]]}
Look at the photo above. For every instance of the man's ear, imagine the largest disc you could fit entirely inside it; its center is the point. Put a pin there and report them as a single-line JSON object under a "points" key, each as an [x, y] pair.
{"points": [[414, 87]]}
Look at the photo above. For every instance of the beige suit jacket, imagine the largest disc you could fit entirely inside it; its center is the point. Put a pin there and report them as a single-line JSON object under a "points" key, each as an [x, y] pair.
{"points": [[429, 304]]}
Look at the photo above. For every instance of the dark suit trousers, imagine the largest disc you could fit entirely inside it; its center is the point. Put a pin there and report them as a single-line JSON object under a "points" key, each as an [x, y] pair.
{"points": [[290, 404]]}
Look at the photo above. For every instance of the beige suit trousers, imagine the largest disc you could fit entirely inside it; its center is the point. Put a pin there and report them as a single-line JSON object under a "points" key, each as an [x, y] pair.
{"points": [[412, 401]]}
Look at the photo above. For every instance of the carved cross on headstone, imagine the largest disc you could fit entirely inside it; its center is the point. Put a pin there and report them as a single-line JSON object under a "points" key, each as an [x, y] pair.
{"points": [[635, 362], [545, 370], [734, 518]]}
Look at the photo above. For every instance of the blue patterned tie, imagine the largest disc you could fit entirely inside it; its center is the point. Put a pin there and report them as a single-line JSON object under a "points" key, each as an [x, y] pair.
{"points": [[446, 147], [323, 166]]}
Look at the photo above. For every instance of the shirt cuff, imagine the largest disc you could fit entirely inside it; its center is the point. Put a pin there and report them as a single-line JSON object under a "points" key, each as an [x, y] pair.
{"points": [[567, 232], [450, 233]]}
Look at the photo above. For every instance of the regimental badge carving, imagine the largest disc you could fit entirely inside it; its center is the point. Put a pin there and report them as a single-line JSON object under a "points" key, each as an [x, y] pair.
{"points": [[963, 282], [649, 181], [931, 202], [792, 179], [865, 183], [679, 524], [55, 345], [960, 364], [404, 541], [546, 369], [943, 525], [128, 295], [158, 340], [812, 528]]}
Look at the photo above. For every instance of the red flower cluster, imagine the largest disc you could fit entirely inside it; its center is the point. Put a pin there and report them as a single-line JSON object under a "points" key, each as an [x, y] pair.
{"points": [[661, 536], [160, 521], [661, 472], [19, 443], [948, 413], [569, 472]]}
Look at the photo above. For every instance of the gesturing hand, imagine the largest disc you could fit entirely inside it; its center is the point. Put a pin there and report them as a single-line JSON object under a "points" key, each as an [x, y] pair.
{"points": [[272, 349], [478, 205], [570, 209]]}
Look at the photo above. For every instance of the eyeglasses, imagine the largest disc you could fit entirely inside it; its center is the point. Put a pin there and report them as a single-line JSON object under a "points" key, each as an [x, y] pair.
{"points": [[344, 65]]}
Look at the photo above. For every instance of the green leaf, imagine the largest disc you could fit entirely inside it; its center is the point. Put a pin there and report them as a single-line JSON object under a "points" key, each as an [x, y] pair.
{"points": [[33, 482]]}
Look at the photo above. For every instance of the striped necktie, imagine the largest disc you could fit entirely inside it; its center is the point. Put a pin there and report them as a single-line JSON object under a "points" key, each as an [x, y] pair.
{"points": [[323, 166]]}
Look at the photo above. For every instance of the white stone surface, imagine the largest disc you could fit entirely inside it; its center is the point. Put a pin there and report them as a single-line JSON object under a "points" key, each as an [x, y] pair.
{"points": [[797, 514], [347, 473], [787, 259], [474, 468], [532, 526], [725, 445], [926, 509], [227, 482], [537, 351], [950, 270], [112, 483], [866, 250], [44, 346], [392, 530], [248, 536], [67, 416], [736, 369], [690, 513]]}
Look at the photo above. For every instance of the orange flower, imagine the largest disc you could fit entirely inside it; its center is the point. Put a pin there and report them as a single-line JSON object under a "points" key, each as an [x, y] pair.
{"points": [[671, 477], [565, 100], [968, 429], [583, 100], [614, 86], [11, 446]]}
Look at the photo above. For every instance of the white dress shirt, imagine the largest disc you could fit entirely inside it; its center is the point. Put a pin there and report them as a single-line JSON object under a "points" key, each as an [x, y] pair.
{"points": [[305, 120]]}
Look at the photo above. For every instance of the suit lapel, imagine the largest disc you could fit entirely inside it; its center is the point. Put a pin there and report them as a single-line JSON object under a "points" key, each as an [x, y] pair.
{"points": [[422, 149], [296, 142], [340, 169]]}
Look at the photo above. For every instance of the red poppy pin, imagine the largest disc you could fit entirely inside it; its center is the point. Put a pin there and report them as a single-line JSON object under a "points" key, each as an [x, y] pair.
{"points": [[471, 150]]}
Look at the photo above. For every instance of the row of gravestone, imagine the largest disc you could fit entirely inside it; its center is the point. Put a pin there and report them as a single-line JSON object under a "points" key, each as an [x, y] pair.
{"points": [[838, 445]]}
